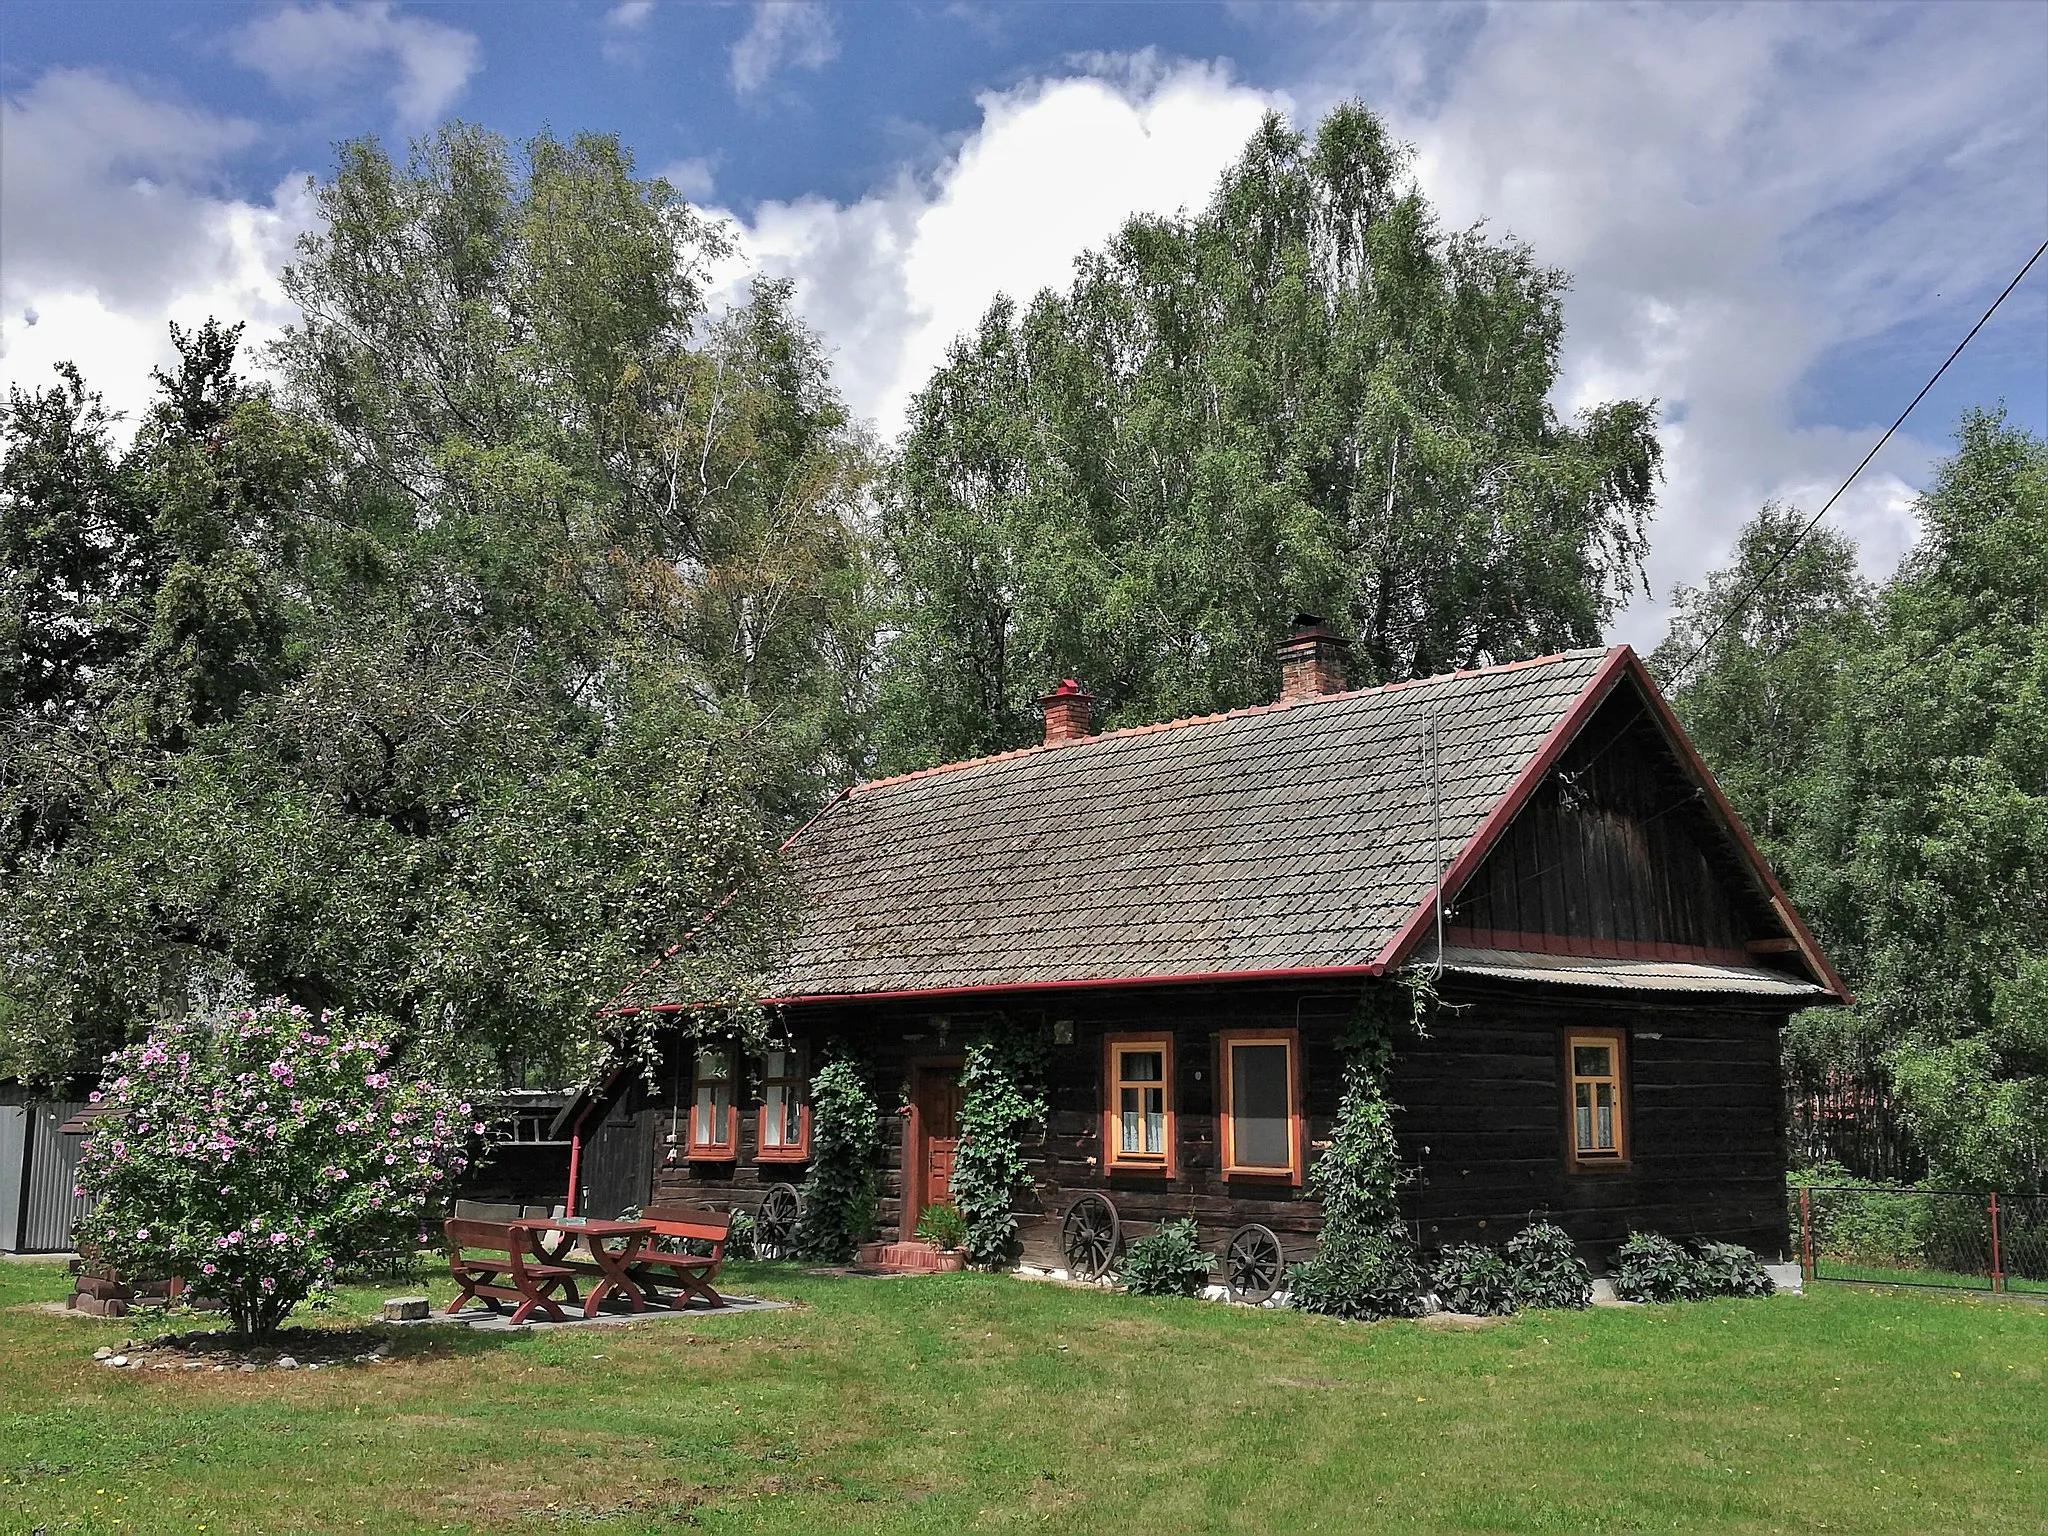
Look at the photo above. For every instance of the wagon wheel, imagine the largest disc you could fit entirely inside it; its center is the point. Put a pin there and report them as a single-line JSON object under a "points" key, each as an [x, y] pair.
{"points": [[1253, 1264], [775, 1222], [1089, 1237]]}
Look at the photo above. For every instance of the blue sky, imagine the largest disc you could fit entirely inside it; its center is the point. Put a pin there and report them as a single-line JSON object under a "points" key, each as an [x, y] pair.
{"points": [[1778, 217]]}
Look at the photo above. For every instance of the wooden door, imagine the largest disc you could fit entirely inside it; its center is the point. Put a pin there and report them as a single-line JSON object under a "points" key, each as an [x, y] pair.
{"points": [[937, 1102]]}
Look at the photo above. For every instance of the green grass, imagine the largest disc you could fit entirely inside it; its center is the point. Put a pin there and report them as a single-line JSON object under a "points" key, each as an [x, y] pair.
{"points": [[1901, 1274], [985, 1403]]}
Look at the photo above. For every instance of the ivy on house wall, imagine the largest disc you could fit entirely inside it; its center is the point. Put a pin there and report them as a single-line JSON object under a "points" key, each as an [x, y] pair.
{"points": [[840, 1194], [1365, 1266], [1002, 1096]]}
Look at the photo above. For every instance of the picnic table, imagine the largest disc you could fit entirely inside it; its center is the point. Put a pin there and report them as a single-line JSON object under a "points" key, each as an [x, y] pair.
{"points": [[524, 1261], [611, 1249]]}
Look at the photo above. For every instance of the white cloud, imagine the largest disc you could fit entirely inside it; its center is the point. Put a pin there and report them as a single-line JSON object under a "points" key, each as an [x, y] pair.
{"points": [[320, 51], [692, 177], [629, 14], [1055, 167], [1735, 191], [783, 34], [110, 227]]}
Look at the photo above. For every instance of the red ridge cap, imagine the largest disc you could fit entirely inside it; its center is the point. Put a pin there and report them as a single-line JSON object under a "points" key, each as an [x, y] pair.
{"points": [[1229, 714]]}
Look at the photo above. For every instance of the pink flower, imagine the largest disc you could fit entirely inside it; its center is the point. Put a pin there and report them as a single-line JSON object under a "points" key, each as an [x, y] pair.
{"points": [[142, 1234], [376, 1079], [269, 1284], [206, 1269]]}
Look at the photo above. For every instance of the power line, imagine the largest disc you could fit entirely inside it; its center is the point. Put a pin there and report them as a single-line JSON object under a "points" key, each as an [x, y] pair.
{"points": [[1791, 549]]}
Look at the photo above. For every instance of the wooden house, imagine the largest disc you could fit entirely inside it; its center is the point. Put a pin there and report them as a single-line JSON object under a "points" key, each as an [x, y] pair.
{"points": [[1193, 909]]}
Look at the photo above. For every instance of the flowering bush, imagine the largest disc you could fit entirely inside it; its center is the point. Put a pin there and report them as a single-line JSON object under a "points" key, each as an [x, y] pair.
{"points": [[253, 1153]]}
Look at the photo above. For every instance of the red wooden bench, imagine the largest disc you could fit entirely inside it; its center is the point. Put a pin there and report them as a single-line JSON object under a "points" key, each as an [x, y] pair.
{"points": [[496, 1261], [690, 1273]]}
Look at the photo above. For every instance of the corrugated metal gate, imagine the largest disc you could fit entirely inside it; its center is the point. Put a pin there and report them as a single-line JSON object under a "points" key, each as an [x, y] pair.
{"points": [[37, 1168]]}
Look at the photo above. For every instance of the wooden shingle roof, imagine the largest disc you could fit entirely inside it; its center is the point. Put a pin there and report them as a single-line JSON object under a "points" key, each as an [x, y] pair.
{"points": [[1281, 839]]}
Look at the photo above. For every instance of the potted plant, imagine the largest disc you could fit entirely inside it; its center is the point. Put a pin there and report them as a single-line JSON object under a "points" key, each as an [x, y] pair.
{"points": [[946, 1230]]}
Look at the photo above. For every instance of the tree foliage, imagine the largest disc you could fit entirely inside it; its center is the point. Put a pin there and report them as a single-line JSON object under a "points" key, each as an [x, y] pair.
{"points": [[1894, 750], [460, 673], [1305, 397]]}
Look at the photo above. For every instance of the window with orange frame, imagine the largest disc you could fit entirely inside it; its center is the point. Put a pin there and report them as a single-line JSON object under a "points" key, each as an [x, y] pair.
{"points": [[1137, 1112], [714, 1118], [783, 1131], [1259, 1104]]}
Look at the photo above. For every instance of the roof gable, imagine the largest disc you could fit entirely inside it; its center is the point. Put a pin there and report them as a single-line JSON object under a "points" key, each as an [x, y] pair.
{"points": [[1300, 839], [1285, 839]]}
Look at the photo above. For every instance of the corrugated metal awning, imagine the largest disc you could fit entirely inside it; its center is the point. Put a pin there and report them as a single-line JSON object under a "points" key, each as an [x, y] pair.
{"points": [[1629, 975]]}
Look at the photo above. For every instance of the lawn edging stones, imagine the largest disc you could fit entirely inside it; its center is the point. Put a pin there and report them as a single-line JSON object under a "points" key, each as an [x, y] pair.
{"points": [[295, 1349]]}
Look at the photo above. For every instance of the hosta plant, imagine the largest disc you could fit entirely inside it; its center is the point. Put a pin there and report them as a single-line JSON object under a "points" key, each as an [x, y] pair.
{"points": [[254, 1153]]}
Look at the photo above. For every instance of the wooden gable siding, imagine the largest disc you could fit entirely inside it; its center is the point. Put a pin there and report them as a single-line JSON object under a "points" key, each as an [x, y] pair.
{"points": [[1615, 847]]}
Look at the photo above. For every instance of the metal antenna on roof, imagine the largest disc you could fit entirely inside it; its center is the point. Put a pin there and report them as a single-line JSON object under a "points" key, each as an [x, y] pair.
{"points": [[1436, 819]]}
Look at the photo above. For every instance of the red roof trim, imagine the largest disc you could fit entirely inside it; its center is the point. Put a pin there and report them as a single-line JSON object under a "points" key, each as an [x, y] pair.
{"points": [[1086, 983], [1622, 661], [1174, 725], [1202, 978]]}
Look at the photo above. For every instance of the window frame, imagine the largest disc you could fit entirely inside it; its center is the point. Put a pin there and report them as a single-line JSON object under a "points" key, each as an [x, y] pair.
{"points": [[1297, 1127], [798, 1081], [701, 1149], [1167, 1164], [1615, 1038]]}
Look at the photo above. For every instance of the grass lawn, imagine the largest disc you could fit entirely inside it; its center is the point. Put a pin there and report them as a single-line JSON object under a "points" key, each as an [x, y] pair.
{"points": [[971, 1402], [1894, 1274]]}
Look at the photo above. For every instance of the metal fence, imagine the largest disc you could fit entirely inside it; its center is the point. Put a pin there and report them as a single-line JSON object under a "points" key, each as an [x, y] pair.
{"points": [[38, 1164], [1935, 1237]]}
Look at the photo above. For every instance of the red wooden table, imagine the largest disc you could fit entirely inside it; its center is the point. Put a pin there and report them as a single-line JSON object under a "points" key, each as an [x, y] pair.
{"points": [[612, 1246]]}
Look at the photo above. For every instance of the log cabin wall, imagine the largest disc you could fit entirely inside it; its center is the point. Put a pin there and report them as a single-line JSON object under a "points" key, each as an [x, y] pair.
{"points": [[1615, 845], [1482, 1118], [1481, 1114]]}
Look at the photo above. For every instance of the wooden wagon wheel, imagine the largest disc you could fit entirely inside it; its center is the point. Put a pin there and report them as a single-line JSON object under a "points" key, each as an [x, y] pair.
{"points": [[1253, 1264], [1089, 1237], [775, 1222]]}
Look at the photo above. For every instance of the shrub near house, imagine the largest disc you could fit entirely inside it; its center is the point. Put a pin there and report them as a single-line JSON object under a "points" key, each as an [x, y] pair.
{"points": [[254, 1154]]}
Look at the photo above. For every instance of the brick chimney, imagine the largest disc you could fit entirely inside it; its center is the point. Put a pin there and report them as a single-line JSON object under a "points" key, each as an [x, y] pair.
{"points": [[1067, 713], [1312, 661]]}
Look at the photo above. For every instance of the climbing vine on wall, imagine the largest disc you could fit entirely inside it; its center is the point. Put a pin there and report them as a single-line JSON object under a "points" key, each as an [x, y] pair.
{"points": [[840, 1194], [1002, 1097], [1365, 1266]]}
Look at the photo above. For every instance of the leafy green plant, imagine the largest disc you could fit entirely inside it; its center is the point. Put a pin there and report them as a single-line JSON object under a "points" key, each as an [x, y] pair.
{"points": [[840, 1193], [1862, 1221], [1547, 1268], [944, 1225], [1001, 1097], [1167, 1261], [1470, 1277], [739, 1237], [1361, 1273], [1652, 1268], [1365, 1265], [1729, 1269], [254, 1153]]}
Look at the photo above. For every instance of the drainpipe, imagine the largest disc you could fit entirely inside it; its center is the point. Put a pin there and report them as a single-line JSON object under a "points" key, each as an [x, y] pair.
{"points": [[576, 1141]]}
